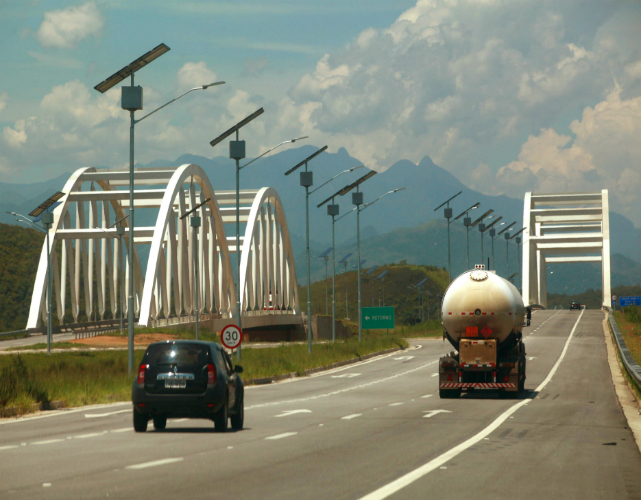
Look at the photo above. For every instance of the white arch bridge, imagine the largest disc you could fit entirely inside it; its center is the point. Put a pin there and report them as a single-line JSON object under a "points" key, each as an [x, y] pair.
{"points": [[85, 266]]}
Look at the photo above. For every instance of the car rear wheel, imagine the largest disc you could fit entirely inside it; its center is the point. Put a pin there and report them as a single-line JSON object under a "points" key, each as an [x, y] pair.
{"points": [[160, 423], [238, 420], [140, 422], [220, 418]]}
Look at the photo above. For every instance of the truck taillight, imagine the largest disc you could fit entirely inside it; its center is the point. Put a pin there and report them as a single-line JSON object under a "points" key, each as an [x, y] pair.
{"points": [[141, 373], [211, 374]]}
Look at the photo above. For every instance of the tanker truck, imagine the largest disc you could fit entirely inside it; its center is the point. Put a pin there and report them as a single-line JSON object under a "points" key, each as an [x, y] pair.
{"points": [[483, 317]]}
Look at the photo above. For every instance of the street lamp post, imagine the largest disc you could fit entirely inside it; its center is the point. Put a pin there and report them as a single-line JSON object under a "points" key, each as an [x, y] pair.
{"points": [[120, 231], [504, 230], [447, 212], [307, 181], [357, 199], [346, 298], [507, 254], [467, 221], [325, 256], [132, 102]]}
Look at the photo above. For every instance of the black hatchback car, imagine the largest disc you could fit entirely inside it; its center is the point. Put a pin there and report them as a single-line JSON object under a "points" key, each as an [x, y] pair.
{"points": [[187, 379], [575, 305]]}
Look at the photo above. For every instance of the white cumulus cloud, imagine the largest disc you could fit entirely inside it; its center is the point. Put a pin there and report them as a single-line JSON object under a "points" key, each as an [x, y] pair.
{"points": [[194, 75], [66, 27]]}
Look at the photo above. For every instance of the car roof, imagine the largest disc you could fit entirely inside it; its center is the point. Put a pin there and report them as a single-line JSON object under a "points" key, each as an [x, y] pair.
{"points": [[183, 341]]}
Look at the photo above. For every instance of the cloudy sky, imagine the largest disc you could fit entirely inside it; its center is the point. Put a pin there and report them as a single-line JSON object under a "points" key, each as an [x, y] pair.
{"points": [[509, 96]]}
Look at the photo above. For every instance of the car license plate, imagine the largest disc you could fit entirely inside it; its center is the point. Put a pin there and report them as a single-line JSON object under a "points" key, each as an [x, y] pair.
{"points": [[175, 384]]}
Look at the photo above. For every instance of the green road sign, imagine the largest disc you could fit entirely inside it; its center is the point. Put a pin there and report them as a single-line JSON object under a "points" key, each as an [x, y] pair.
{"points": [[377, 317]]}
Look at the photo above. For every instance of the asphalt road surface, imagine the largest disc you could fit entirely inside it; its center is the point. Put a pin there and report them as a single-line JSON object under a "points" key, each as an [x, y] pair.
{"points": [[372, 430]]}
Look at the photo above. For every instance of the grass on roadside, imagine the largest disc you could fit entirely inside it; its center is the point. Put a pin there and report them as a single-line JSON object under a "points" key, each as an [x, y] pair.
{"points": [[54, 345], [81, 378], [629, 323]]}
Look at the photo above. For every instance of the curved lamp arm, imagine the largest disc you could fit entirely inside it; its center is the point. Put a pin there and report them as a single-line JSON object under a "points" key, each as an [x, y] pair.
{"points": [[272, 149]]}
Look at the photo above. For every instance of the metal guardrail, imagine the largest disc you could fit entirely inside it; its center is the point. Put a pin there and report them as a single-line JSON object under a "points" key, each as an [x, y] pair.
{"points": [[80, 330], [630, 364]]}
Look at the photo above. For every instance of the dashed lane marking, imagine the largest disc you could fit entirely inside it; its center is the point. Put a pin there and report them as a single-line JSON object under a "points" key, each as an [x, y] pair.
{"points": [[155, 463], [292, 412], [431, 413], [281, 436], [48, 441], [396, 404], [413, 476], [341, 391], [98, 415], [349, 417]]}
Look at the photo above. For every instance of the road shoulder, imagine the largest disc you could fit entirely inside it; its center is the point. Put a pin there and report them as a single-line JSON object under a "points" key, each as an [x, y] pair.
{"points": [[625, 394]]}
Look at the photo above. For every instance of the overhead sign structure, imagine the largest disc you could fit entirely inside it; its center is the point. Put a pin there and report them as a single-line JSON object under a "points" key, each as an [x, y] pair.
{"points": [[628, 301], [377, 318], [231, 336]]}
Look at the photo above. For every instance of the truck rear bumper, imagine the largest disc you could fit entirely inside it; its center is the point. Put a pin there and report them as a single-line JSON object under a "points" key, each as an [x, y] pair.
{"points": [[477, 385]]}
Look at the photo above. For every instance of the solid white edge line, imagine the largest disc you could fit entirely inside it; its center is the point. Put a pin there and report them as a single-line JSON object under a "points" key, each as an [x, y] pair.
{"points": [[283, 435], [48, 441], [155, 463], [57, 413], [416, 474], [98, 415]]}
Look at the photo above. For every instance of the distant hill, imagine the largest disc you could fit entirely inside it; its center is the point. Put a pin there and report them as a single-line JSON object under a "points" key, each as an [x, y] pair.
{"points": [[401, 226], [398, 279], [591, 298], [19, 253]]}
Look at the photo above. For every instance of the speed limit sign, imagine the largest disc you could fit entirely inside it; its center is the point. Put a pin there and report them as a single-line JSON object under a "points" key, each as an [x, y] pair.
{"points": [[231, 336]]}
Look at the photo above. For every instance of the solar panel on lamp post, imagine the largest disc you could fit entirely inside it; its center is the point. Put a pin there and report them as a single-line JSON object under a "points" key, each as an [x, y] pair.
{"points": [[447, 212], [467, 221], [482, 228], [44, 213], [307, 180], [131, 100], [237, 153], [357, 198], [333, 211]]}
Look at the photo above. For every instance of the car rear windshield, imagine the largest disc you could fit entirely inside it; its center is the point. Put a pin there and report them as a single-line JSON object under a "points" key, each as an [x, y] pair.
{"points": [[182, 354]]}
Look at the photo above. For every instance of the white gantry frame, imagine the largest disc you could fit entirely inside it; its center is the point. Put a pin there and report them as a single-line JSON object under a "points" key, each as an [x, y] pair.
{"points": [[167, 291], [561, 228]]}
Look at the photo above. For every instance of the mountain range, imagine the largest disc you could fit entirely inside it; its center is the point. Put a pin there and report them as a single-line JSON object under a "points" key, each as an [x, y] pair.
{"points": [[402, 226]]}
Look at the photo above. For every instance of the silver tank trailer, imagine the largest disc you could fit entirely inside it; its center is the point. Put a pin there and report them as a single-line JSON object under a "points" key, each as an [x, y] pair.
{"points": [[481, 299]]}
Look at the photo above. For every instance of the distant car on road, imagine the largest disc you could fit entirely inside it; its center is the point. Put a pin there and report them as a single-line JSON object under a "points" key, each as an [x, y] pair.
{"points": [[575, 305], [187, 379]]}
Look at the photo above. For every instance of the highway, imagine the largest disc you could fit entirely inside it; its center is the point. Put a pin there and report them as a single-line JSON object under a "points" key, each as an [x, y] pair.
{"points": [[372, 430]]}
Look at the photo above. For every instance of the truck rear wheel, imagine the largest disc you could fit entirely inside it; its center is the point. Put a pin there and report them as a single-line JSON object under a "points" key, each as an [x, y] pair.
{"points": [[449, 393]]}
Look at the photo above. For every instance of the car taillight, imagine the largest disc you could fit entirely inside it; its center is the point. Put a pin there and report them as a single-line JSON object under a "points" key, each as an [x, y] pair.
{"points": [[211, 374], [141, 374]]}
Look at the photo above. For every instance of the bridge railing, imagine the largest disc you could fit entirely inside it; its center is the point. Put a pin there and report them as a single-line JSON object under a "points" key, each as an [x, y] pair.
{"points": [[631, 366]]}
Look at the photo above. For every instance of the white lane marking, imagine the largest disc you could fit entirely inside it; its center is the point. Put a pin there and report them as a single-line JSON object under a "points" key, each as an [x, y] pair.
{"points": [[230, 447], [62, 412], [434, 375], [341, 391], [530, 359], [124, 429], [93, 434], [426, 396], [423, 470], [431, 413], [283, 435], [155, 463], [349, 417], [286, 413], [9, 447], [46, 485], [48, 441], [347, 375], [396, 404], [98, 415], [402, 358]]}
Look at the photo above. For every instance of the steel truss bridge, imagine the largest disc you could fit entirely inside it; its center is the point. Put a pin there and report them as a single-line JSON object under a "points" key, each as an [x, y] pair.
{"points": [[164, 292]]}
